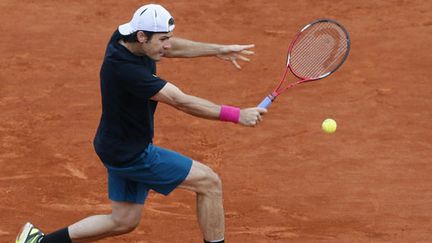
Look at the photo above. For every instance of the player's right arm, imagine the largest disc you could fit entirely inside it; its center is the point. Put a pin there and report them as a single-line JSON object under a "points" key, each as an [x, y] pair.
{"points": [[199, 107]]}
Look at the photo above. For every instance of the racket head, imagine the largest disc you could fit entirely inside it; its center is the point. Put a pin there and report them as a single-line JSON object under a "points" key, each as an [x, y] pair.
{"points": [[318, 50]]}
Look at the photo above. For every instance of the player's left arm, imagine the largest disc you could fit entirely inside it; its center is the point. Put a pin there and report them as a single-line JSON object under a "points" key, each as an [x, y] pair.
{"points": [[188, 48]]}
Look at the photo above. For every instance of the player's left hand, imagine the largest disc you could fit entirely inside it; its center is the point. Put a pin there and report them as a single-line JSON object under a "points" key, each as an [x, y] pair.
{"points": [[233, 53]]}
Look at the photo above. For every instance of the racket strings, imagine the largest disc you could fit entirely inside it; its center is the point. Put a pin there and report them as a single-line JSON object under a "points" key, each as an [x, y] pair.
{"points": [[318, 59], [317, 47], [308, 42], [313, 69], [318, 50], [318, 54]]}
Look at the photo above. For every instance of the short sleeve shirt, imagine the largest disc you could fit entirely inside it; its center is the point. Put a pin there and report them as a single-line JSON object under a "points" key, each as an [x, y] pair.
{"points": [[127, 83]]}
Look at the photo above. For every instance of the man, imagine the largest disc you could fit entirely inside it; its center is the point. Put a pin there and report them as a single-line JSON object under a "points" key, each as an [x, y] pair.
{"points": [[130, 93]]}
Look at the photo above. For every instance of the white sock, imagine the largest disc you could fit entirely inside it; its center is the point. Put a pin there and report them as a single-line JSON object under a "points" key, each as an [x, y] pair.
{"points": [[217, 240]]}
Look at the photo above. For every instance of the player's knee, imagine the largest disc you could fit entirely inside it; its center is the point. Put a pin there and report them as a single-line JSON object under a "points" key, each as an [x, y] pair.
{"points": [[213, 184], [126, 223]]}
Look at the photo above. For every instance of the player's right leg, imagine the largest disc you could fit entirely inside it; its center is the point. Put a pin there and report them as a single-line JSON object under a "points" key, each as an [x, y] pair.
{"points": [[208, 187]]}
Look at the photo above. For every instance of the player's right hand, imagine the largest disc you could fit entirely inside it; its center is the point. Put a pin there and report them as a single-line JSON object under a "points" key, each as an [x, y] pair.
{"points": [[251, 116]]}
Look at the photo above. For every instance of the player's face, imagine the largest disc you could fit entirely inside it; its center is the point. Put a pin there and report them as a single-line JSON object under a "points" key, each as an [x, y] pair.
{"points": [[158, 45]]}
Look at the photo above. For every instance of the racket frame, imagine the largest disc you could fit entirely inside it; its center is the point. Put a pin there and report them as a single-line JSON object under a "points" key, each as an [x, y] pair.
{"points": [[279, 89]]}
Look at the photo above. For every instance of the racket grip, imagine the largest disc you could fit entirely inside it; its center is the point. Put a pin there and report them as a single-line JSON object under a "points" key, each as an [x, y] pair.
{"points": [[266, 102]]}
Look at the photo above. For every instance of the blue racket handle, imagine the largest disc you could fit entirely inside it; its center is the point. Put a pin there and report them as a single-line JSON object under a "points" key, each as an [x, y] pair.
{"points": [[266, 102]]}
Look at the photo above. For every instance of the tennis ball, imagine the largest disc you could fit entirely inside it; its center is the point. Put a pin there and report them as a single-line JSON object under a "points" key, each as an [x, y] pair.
{"points": [[329, 125]]}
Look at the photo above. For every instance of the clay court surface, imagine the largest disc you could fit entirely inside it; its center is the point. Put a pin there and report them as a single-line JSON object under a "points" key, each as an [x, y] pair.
{"points": [[284, 180]]}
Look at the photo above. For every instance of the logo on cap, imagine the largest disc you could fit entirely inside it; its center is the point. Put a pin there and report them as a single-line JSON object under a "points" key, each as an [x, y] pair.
{"points": [[151, 18]]}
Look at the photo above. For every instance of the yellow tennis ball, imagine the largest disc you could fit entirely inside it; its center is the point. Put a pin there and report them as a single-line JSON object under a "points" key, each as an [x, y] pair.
{"points": [[329, 125]]}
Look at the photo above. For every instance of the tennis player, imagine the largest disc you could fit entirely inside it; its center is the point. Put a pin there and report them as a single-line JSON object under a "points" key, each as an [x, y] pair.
{"points": [[131, 91]]}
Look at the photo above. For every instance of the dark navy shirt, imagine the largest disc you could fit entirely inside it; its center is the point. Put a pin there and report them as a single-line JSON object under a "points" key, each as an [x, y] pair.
{"points": [[127, 84]]}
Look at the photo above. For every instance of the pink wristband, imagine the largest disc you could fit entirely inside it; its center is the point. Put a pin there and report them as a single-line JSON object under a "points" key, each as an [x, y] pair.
{"points": [[229, 113]]}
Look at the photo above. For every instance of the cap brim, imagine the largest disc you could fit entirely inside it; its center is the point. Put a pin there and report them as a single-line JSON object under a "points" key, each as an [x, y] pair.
{"points": [[125, 29]]}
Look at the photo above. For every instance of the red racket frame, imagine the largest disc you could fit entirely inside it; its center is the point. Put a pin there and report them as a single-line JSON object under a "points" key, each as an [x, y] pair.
{"points": [[279, 89]]}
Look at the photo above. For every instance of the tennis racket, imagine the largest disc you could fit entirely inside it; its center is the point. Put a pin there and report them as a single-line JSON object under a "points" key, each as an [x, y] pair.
{"points": [[317, 51]]}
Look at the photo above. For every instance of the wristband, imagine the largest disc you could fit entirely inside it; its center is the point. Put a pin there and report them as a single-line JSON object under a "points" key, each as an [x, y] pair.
{"points": [[229, 113]]}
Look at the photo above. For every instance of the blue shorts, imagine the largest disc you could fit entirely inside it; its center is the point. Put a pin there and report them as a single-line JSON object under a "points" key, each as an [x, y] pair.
{"points": [[156, 168]]}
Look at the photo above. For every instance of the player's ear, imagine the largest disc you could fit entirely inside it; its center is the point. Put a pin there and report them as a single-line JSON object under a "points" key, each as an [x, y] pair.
{"points": [[141, 37]]}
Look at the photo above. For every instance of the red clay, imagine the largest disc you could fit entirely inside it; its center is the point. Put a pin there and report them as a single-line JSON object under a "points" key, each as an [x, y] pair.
{"points": [[285, 180]]}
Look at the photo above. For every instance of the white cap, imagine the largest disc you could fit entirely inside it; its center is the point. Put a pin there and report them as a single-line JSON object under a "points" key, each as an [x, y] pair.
{"points": [[150, 17]]}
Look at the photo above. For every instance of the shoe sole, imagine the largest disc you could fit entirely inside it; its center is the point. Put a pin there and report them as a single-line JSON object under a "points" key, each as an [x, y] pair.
{"points": [[24, 233]]}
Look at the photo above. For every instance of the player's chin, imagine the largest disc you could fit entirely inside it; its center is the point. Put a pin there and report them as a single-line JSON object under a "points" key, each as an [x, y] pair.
{"points": [[157, 57]]}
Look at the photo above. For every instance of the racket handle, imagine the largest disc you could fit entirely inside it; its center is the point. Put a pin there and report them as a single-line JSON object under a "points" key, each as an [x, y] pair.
{"points": [[266, 102]]}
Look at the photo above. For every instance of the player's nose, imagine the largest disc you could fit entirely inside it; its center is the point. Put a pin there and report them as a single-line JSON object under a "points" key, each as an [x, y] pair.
{"points": [[167, 45]]}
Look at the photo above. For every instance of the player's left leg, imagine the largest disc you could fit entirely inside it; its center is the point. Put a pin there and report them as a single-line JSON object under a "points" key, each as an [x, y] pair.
{"points": [[29, 233], [125, 218]]}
